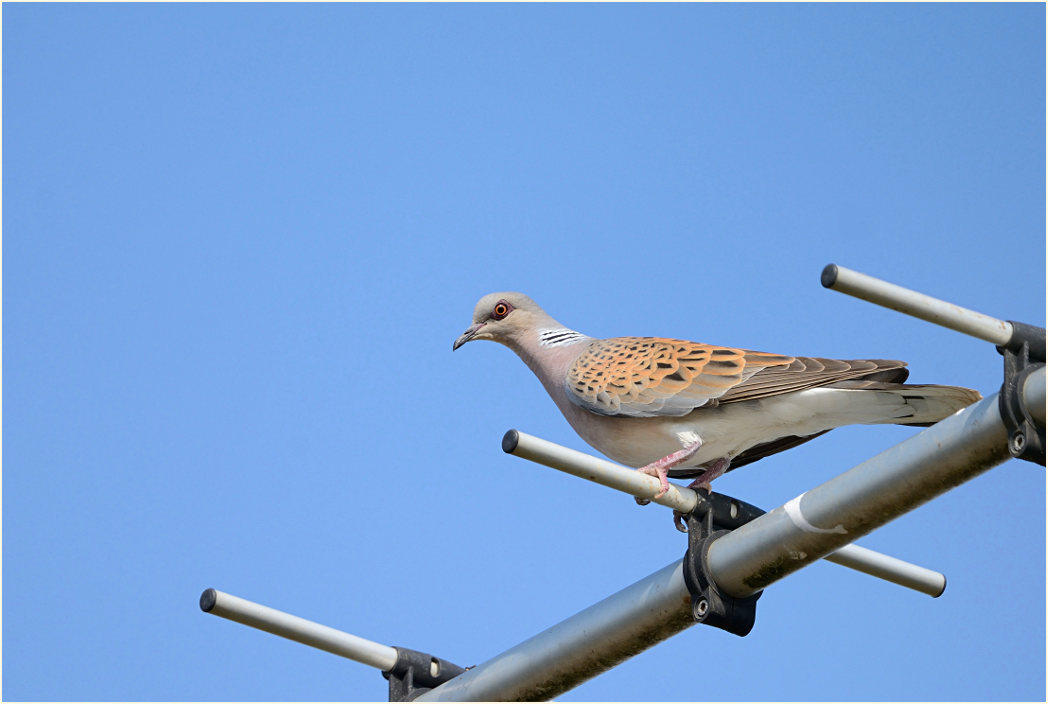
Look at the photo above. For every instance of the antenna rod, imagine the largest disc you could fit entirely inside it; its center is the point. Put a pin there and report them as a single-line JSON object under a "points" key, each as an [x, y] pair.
{"points": [[919, 305], [298, 629], [683, 499]]}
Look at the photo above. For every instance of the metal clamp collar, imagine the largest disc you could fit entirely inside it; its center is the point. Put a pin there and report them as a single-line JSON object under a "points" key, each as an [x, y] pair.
{"points": [[714, 516]]}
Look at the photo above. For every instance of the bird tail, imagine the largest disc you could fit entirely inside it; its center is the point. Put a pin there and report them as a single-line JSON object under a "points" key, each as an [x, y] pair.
{"points": [[921, 404]]}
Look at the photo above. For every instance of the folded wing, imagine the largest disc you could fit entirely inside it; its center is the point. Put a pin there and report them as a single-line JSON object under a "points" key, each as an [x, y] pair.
{"points": [[649, 376]]}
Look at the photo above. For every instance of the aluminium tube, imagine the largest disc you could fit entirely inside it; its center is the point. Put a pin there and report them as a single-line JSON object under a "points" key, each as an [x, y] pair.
{"points": [[1033, 395], [580, 647], [683, 499], [904, 300], [298, 629], [747, 559], [597, 470]]}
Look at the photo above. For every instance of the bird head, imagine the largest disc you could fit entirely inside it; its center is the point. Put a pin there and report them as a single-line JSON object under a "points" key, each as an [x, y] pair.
{"points": [[504, 317]]}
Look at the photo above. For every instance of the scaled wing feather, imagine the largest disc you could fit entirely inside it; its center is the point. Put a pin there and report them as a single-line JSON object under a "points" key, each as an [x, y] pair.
{"points": [[648, 376], [652, 376]]}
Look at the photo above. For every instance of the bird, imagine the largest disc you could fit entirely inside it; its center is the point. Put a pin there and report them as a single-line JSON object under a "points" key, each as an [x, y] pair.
{"points": [[681, 409]]}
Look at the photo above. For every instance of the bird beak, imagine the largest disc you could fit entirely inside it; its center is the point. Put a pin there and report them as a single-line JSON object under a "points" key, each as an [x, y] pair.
{"points": [[467, 336]]}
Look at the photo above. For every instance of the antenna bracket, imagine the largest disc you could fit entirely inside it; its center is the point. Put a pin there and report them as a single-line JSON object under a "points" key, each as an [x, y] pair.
{"points": [[714, 516], [1023, 355], [416, 673]]}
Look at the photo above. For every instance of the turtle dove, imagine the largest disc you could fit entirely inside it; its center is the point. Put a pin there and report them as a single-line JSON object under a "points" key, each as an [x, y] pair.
{"points": [[674, 408]]}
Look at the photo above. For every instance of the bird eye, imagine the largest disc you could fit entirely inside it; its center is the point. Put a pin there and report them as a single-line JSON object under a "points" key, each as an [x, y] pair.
{"points": [[501, 310]]}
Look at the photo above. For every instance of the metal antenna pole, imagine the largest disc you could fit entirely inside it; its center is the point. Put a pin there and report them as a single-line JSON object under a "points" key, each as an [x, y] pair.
{"points": [[409, 672], [682, 499], [1003, 333], [933, 310], [748, 559], [298, 629]]}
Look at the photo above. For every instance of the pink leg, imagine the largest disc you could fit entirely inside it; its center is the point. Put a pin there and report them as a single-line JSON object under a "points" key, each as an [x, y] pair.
{"points": [[660, 469], [703, 481], [713, 470]]}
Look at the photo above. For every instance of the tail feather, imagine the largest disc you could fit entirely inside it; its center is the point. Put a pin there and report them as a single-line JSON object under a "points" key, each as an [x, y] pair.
{"points": [[923, 404]]}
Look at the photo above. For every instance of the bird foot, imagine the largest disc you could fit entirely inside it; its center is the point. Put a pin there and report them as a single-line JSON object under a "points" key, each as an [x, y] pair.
{"points": [[703, 481], [662, 474], [660, 469]]}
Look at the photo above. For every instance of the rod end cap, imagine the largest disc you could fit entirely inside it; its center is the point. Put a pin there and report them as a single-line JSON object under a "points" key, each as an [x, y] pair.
{"points": [[208, 600], [509, 441], [829, 275]]}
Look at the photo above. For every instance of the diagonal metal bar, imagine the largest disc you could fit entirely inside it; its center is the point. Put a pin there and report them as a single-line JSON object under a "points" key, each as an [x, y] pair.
{"points": [[298, 629], [748, 559], [919, 305], [683, 499]]}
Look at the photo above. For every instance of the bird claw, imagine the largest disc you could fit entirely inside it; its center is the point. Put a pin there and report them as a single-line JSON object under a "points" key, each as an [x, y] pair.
{"points": [[660, 473], [703, 482], [660, 469]]}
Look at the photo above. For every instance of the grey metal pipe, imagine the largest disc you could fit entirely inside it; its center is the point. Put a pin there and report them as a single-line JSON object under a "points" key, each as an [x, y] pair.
{"points": [[596, 470], [298, 629], [864, 498], [580, 647], [890, 569], [904, 300], [1034, 395], [744, 561], [683, 499]]}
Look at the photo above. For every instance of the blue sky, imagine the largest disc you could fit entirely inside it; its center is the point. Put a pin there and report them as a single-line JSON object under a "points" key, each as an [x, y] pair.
{"points": [[239, 241]]}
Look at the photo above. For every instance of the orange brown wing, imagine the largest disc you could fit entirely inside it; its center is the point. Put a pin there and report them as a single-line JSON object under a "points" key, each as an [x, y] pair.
{"points": [[654, 376]]}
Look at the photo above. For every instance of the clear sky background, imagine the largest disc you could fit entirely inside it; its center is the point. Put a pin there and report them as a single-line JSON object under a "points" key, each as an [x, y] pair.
{"points": [[239, 241]]}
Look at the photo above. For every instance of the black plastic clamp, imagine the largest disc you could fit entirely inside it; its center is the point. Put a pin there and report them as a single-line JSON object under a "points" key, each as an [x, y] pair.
{"points": [[714, 516], [1023, 355], [416, 673]]}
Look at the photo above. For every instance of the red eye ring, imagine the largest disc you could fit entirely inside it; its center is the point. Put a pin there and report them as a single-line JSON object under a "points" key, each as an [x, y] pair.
{"points": [[501, 310]]}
